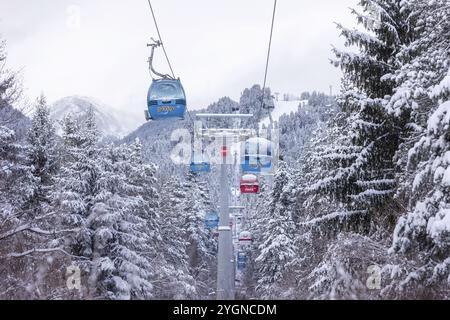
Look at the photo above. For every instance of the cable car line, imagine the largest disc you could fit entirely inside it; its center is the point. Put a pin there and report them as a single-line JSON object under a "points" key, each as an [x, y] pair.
{"points": [[190, 117], [160, 38], [268, 59], [166, 99], [160, 43]]}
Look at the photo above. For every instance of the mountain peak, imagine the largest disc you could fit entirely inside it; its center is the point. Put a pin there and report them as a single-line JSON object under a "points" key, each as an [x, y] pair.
{"points": [[107, 120]]}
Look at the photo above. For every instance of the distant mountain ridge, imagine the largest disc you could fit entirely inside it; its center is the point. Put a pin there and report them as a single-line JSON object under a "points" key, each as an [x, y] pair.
{"points": [[106, 117], [15, 120]]}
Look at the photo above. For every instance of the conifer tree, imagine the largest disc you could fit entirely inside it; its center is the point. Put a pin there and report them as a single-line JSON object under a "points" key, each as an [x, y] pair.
{"points": [[121, 269], [78, 193], [369, 177], [422, 232], [200, 242], [41, 156], [174, 277], [277, 249]]}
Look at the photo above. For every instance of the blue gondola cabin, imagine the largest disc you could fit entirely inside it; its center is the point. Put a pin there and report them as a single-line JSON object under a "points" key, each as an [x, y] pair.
{"points": [[200, 163], [200, 167], [257, 156], [241, 261], [166, 99]]}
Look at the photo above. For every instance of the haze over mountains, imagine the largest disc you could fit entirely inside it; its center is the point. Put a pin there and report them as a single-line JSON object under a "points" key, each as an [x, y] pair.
{"points": [[117, 124], [109, 121]]}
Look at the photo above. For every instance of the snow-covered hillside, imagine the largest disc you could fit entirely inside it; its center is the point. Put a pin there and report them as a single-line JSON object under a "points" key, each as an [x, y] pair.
{"points": [[284, 107], [108, 120]]}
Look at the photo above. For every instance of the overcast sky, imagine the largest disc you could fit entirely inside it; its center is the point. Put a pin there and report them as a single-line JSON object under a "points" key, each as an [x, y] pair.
{"points": [[217, 47]]}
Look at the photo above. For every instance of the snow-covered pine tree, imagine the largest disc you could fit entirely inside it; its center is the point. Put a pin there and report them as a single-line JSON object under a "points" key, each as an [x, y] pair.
{"points": [[369, 178], [277, 247], [77, 188], [297, 128], [423, 65], [328, 168], [224, 105], [201, 244], [99, 195], [143, 174], [10, 87], [320, 212], [10, 171], [251, 102], [121, 269], [15, 179], [350, 183], [174, 280], [41, 157], [423, 96], [15, 176]]}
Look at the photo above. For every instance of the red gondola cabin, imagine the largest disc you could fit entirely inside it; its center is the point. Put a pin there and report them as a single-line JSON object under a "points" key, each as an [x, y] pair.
{"points": [[245, 238], [249, 184]]}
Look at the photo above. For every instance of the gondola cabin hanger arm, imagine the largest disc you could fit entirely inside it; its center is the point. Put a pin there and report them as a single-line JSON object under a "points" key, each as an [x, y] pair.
{"points": [[154, 45]]}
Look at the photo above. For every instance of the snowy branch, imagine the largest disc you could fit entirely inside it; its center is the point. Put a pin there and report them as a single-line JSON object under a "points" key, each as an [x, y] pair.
{"points": [[33, 251], [36, 230], [332, 216]]}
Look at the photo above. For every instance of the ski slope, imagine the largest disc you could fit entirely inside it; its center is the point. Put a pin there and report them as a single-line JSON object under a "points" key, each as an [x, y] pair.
{"points": [[284, 107]]}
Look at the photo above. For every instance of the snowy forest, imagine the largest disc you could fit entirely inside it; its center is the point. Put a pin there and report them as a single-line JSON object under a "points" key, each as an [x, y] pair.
{"points": [[359, 207]]}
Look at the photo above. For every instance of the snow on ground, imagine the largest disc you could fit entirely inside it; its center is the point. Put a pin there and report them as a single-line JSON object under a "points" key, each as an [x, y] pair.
{"points": [[284, 107]]}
